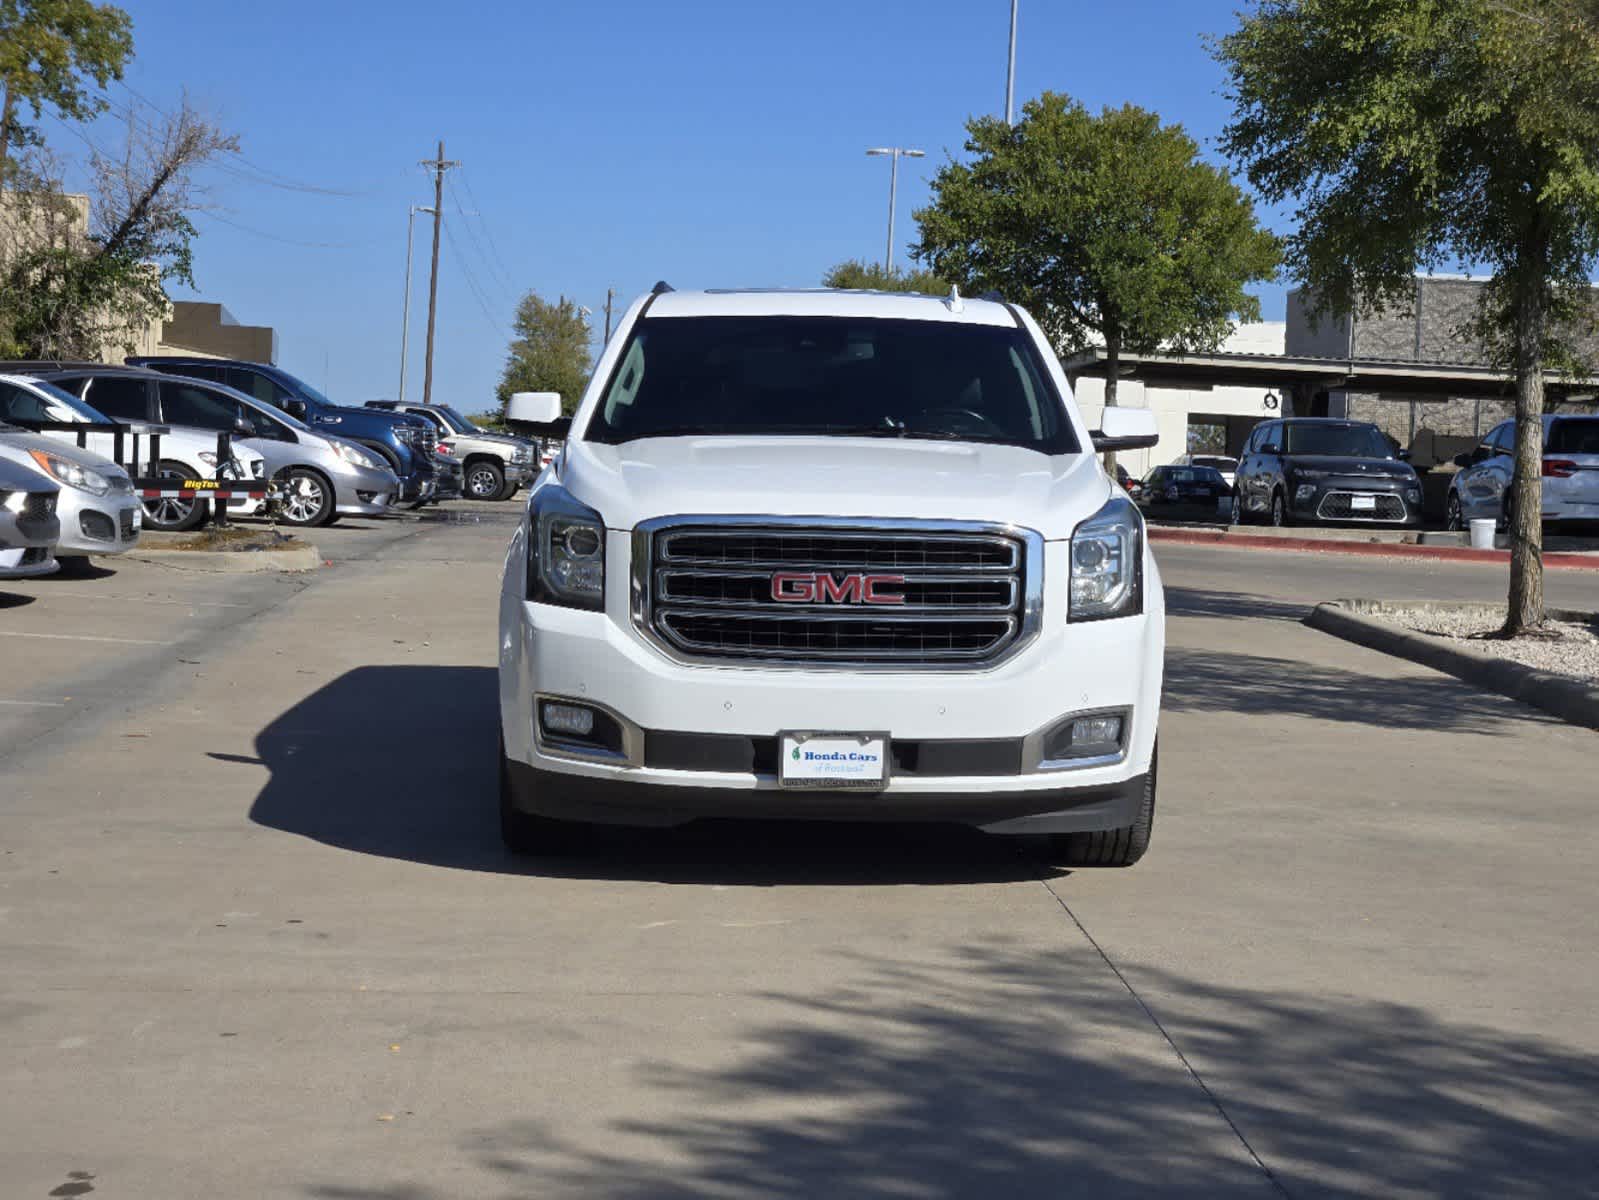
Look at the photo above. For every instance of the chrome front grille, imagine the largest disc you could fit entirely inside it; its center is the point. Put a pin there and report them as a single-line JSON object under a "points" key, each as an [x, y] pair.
{"points": [[898, 594], [1339, 506]]}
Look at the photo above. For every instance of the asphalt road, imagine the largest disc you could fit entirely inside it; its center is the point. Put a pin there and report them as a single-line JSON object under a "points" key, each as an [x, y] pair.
{"points": [[259, 938]]}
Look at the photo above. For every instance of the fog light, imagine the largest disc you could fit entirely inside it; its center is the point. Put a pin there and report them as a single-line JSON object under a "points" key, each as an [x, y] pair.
{"points": [[1413, 495], [1304, 492], [1096, 734], [570, 719]]}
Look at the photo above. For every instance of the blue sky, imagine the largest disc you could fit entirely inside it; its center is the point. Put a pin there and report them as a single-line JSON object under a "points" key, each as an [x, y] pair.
{"points": [[707, 142]]}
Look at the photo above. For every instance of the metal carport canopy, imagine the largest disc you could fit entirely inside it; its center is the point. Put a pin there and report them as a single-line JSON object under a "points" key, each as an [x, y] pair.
{"points": [[1387, 377]]}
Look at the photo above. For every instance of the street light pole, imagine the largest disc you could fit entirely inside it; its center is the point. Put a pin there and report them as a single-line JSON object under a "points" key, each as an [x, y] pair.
{"points": [[1010, 71], [894, 153], [405, 318]]}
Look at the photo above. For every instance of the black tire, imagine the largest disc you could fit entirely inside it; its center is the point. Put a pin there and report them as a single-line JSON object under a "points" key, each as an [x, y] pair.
{"points": [[308, 499], [528, 833], [1454, 518], [484, 480], [174, 516], [1237, 517], [1111, 847], [510, 489], [1280, 517]]}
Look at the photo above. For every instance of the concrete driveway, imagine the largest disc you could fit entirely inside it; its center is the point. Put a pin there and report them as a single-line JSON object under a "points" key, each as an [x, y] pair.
{"points": [[259, 937]]}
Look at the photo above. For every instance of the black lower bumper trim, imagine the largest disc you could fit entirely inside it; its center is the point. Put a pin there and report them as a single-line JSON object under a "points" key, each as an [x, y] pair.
{"points": [[621, 801]]}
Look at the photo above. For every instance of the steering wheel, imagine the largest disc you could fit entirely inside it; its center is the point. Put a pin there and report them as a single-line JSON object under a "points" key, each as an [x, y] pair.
{"points": [[972, 420]]}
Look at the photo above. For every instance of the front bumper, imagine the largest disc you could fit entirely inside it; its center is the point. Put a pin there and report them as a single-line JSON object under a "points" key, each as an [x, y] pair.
{"points": [[27, 562], [418, 486], [1339, 500], [363, 491], [108, 524], [603, 660]]}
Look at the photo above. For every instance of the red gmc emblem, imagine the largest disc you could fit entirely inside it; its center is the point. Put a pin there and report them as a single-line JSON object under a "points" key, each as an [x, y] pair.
{"points": [[822, 587]]}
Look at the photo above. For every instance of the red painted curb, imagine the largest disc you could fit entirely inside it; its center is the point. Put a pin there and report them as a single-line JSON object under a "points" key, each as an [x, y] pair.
{"points": [[1243, 541]]}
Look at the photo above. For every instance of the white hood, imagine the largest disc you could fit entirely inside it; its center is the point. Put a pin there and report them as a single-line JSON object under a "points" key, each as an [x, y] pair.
{"points": [[834, 477]]}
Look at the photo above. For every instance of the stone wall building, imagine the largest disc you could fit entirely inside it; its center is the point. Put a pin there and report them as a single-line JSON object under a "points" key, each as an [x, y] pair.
{"points": [[1433, 328]]}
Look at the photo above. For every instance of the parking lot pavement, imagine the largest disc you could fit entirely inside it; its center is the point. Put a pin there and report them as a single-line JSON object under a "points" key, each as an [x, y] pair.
{"points": [[260, 939]]}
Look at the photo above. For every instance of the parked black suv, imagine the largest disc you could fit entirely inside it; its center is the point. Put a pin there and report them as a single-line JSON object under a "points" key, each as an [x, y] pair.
{"points": [[405, 442], [1305, 470]]}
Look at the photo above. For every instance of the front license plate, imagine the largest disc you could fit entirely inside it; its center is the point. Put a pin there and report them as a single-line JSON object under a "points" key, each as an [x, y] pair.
{"points": [[832, 760], [1368, 503]]}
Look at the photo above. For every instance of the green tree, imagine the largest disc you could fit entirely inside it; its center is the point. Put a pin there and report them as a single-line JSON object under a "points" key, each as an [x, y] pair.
{"points": [[550, 352], [50, 51], [1417, 135], [855, 274], [1105, 227], [73, 289]]}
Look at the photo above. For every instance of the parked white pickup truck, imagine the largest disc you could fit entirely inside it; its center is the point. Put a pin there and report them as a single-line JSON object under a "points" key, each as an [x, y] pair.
{"points": [[835, 555]]}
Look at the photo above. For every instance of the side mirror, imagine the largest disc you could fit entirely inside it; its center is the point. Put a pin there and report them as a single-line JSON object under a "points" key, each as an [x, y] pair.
{"points": [[1125, 429], [295, 408], [242, 426], [1402, 455], [541, 410], [1273, 448], [1464, 460]]}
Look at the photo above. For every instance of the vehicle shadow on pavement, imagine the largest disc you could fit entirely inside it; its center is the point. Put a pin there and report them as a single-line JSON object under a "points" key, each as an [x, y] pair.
{"points": [[1219, 681], [400, 761], [996, 1072], [15, 600]]}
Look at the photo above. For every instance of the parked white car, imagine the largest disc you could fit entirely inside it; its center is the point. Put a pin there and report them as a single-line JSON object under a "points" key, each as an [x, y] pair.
{"points": [[28, 524], [1570, 473], [97, 509], [191, 453], [832, 555]]}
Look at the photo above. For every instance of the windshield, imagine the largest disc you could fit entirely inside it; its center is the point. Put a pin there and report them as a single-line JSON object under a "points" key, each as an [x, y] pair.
{"points": [[1335, 441], [1216, 461], [831, 377], [456, 421], [1569, 436], [41, 401]]}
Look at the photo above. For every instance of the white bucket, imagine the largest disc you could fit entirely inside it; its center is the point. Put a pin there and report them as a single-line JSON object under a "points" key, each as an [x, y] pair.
{"points": [[1482, 533]]}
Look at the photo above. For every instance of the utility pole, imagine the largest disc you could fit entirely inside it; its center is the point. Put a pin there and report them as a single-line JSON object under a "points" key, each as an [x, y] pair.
{"points": [[1010, 72], [438, 166], [610, 296], [405, 312]]}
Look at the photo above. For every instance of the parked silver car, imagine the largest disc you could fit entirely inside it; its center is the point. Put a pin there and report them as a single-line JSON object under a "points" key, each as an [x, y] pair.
{"points": [[1570, 473], [29, 527], [496, 464], [185, 452], [96, 507]]}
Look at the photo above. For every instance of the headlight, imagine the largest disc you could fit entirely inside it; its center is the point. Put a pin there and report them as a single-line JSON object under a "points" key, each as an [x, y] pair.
{"points": [[566, 551], [1107, 575], [354, 455], [71, 474], [207, 457]]}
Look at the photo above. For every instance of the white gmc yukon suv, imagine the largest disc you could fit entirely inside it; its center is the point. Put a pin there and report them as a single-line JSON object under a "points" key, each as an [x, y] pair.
{"points": [[832, 555]]}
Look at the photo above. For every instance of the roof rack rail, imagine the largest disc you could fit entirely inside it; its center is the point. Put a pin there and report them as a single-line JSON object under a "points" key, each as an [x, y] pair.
{"points": [[661, 286]]}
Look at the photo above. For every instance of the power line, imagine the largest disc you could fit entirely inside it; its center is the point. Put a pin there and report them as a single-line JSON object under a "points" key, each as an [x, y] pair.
{"points": [[273, 237], [472, 284], [494, 276], [488, 231]]}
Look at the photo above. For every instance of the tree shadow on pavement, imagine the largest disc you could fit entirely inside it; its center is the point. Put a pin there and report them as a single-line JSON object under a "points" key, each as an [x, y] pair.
{"points": [[1200, 602], [1219, 681], [995, 1072], [400, 761]]}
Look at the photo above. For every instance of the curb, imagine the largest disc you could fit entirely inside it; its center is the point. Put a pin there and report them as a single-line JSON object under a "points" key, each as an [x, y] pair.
{"points": [[1243, 541], [230, 562], [1560, 695]]}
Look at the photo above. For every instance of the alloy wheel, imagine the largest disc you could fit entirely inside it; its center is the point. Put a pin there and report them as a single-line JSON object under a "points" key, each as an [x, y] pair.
{"points": [[304, 500], [1452, 515], [483, 484]]}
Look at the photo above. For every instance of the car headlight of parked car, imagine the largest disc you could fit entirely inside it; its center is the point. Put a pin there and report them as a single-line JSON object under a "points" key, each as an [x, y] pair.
{"points": [[71, 474], [565, 551], [355, 456], [1108, 563]]}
